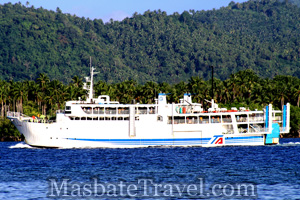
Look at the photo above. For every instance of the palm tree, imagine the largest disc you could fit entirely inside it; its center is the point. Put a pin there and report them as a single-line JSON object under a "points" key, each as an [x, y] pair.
{"points": [[226, 92], [77, 82], [180, 89], [3, 96], [64, 95], [296, 94], [234, 86], [51, 100], [147, 93], [281, 93], [198, 87], [19, 93], [72, 92], [37, 95], [218, 91], [249, 80], [55, 89], [43, 81], [267, 91], [126, 91]]}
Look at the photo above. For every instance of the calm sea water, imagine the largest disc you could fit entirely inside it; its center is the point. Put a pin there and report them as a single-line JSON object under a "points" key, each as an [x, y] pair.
{"points": [[275, 170]]}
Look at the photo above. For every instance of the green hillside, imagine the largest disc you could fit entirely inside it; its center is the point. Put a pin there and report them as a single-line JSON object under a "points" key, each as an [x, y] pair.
{"points": [[259, 35], [295, 2]]}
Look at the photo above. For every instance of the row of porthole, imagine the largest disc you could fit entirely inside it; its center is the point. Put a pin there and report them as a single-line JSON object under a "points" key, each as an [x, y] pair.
{"points": [[60, 128]]}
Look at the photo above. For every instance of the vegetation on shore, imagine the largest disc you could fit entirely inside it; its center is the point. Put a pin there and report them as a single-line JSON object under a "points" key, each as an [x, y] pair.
{"points": [[245, 88], [262, 35]]}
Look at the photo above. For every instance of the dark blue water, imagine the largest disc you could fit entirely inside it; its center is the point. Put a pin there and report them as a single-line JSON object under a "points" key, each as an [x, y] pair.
{"points": [[275, 170]]}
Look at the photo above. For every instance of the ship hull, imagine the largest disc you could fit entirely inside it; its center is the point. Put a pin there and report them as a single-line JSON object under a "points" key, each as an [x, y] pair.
{"points": [[111, 134]]}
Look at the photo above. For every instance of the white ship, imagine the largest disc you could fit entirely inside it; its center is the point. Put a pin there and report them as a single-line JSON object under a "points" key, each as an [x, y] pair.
{"points": [[99, 122]]}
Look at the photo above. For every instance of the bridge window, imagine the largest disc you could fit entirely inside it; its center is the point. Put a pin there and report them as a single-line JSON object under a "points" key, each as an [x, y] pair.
{"points": [[68, 107], [87, 110], [179, 120], [152, 110], [192, 120], [257, 117], [215, 119], [203, 119], [123, 110], [241, 118], [141, 110], [226, 119], [110, 111]]}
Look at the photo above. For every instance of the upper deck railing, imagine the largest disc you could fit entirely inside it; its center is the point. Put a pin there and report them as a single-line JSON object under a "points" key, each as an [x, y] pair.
{"points": [[26, 118], [14, 114]]}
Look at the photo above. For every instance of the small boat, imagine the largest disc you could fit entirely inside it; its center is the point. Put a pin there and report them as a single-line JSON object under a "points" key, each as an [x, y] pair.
{"points": [[102, 123]]}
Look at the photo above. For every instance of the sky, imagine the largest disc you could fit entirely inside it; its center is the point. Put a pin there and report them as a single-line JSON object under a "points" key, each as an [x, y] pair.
{"points": [[120, 9]]}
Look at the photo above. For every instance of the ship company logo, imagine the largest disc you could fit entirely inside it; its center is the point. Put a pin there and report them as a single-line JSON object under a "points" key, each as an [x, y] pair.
{"points": [[217, 139]]}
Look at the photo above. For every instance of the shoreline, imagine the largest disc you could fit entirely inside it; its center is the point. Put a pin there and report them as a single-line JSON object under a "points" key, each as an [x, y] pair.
{"points": [[12, 139]]}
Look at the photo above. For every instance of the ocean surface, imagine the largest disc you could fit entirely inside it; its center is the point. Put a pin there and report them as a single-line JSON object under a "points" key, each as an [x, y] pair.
{"points": [[33, 173]]}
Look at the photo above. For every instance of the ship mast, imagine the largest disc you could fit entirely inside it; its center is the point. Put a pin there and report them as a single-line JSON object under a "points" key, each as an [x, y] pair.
{"points": [[212, 88], [91, 80]]}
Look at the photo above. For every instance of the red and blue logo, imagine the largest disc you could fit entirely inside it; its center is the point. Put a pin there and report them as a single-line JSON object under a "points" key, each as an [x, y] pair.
{"points": [[217, 139]]}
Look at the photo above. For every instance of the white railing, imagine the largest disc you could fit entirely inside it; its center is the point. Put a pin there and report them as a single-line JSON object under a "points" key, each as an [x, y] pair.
{"points": [[13, 114], [25, 118], [256, 119]]}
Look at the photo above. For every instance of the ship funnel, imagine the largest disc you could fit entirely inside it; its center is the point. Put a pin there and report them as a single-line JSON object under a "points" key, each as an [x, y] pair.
{"points": [[187, 97], [162, 98]]}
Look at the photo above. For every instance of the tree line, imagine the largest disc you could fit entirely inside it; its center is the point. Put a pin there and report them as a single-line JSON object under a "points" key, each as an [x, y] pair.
{"points": [[261, 35], [243, 89]]}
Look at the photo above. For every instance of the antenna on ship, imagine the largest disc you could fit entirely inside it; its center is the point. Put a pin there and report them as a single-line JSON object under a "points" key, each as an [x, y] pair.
{"points": [[91, 88], [212, 88], [212, 82]]}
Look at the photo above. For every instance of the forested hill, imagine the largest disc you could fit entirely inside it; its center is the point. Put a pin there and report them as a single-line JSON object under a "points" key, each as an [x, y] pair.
{"points": [[295, 2], [260, 35]]}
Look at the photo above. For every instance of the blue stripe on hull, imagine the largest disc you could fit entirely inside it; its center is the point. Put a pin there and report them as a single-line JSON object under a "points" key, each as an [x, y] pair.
{"points": [[175, 141], [247, 139], [166, 141]]}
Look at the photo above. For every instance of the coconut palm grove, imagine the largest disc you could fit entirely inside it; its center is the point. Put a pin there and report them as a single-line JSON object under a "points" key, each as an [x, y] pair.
{"points": [[254, 48]]}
